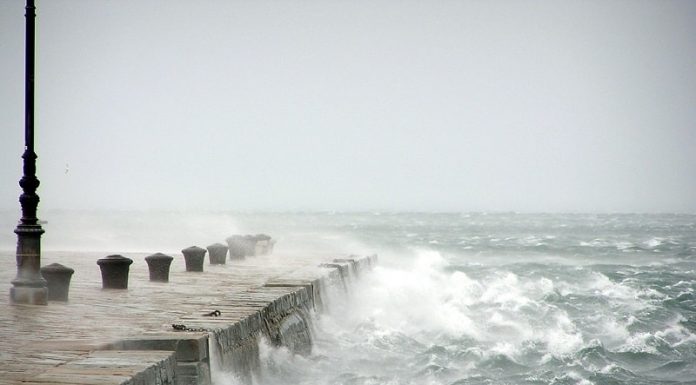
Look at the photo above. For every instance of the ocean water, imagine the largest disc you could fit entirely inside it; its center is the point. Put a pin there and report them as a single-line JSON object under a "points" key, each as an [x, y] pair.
{"points": [[461, 298], [507, 299]]}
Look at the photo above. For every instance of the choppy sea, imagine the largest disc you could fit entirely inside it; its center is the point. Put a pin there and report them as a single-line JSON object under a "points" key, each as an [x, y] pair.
{"points": [[467, 298], [509, 299]]}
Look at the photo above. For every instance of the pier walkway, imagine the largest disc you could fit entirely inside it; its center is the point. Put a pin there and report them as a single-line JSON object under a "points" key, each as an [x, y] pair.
{"points": [[126, 336]]}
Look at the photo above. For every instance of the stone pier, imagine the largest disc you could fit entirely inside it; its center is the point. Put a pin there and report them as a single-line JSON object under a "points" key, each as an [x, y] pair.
{"points": [[165, 333]]}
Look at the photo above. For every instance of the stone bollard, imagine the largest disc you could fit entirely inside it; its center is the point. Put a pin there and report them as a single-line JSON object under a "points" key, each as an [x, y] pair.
{"points": [[114, 271], [217, 252], [158, 264], [194, 257], [57, 279], [262, 244], [249, 245], [235, 244]]}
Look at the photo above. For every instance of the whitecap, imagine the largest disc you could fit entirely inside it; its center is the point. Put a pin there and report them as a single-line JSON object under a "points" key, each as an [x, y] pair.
{"points": [[654, 242]]}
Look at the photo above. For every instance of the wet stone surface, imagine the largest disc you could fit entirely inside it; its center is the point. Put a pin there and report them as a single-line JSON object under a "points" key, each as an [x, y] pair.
{"points": [[35, 340]]}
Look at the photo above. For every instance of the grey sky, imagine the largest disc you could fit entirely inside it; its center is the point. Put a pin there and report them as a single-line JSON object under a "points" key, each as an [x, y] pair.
{"points": [[348, 105]]}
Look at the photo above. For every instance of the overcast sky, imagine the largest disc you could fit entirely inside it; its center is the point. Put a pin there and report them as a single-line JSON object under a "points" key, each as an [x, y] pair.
{"points": [[351, 105]]}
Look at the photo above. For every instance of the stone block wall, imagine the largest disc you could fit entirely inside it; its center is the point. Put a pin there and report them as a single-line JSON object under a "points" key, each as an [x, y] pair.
{"points": [[280, 311]]}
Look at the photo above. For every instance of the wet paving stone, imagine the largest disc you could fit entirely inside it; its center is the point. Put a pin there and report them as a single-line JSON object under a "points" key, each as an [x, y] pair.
{"points": [[64, 338]]}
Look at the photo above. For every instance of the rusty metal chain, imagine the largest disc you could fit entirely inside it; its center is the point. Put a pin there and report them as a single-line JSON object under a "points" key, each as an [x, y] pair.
{"points": [[184, 328]]}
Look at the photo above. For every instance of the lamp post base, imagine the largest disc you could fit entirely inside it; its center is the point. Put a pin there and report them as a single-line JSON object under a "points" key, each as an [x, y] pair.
{"points": [[26, 295], [29, 287]]}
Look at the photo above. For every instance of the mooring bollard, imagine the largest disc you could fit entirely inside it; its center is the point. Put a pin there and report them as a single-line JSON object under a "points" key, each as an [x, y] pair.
{"points": [[194, 257], [217, 252], [249, 245], [114, 271], [262, 244], [158, 264], [57, 278], [235, 244]]}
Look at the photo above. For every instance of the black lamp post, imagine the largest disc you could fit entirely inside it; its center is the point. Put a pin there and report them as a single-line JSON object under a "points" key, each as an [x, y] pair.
{"points": [[29, 287]]}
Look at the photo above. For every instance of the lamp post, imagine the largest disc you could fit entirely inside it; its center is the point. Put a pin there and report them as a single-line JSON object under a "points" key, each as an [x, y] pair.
{"points": [[29, 287]]}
